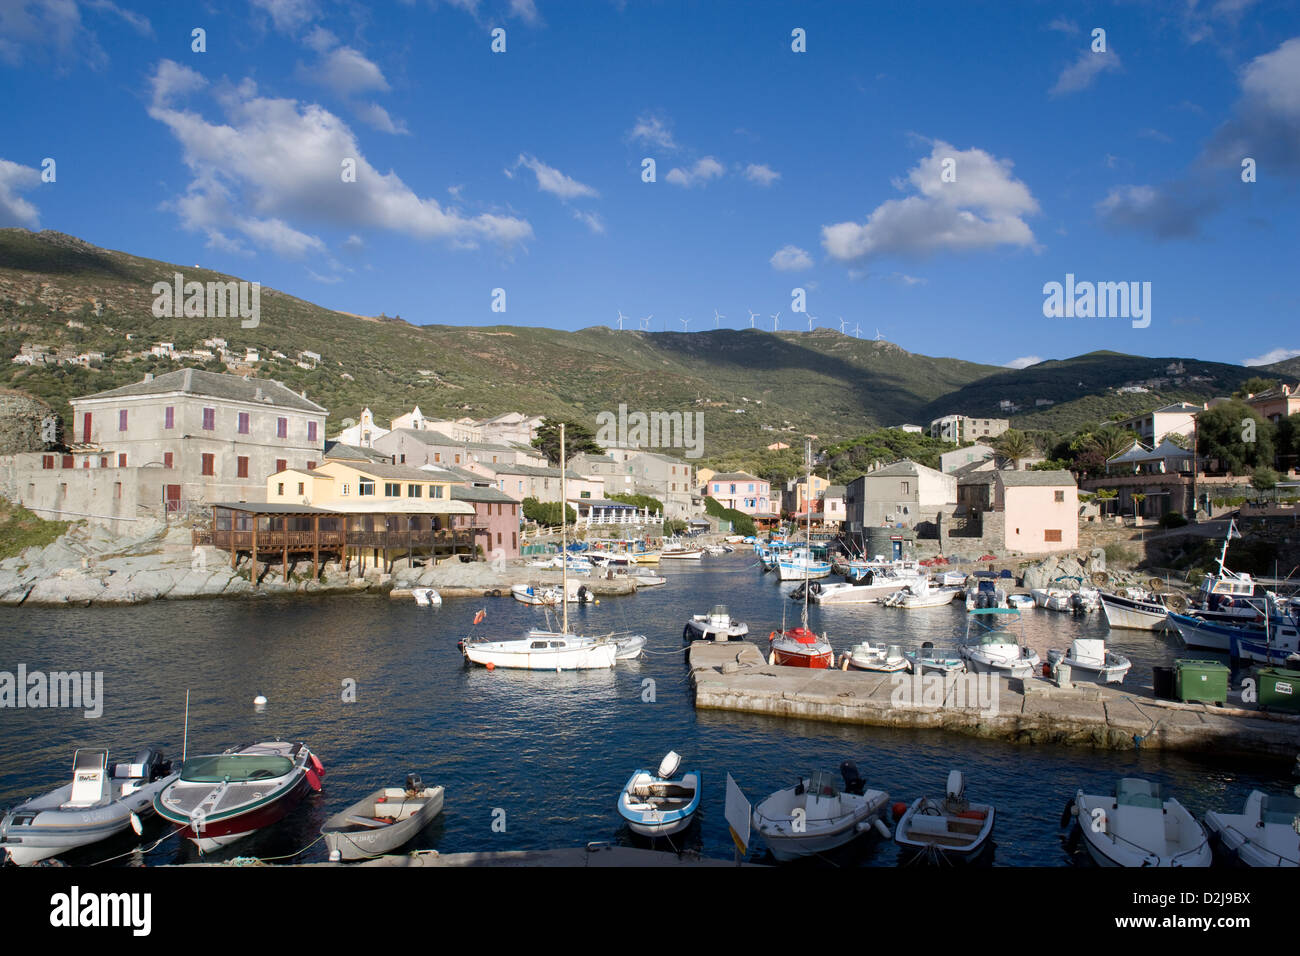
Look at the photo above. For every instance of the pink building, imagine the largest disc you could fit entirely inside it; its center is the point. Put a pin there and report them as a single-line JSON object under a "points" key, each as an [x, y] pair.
{"points": [[1040, 508], [741, 491], [1276, 404], [497, 512]]}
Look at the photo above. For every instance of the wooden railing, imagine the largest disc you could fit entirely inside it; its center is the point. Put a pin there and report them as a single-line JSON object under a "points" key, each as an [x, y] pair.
{"points": [[331, 540]]}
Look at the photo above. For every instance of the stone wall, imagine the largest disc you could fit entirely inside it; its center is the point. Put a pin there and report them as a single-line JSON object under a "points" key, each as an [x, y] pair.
{"points": [[20, 422]]}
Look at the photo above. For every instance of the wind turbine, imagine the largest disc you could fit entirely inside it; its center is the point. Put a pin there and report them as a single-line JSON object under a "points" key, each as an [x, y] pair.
{"points": [[842, 324], [811, 319], [878, 335], [621, 317], [776, 322], [685, 324], [752, 317], [717, 318], [645, 323], [857, 330]]}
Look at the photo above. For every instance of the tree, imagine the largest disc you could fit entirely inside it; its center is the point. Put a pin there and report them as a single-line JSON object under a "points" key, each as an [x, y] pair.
{"points": [[1138, 498], [1015, 445], [1288, 442], [1104, 495], [577, 439], [1264, 479], [1178, 438], [1093, 449], [1236, 436], [1254, 385]]}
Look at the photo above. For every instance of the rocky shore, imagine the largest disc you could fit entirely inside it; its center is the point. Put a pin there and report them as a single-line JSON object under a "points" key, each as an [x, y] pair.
{"points": [[90, 565]]}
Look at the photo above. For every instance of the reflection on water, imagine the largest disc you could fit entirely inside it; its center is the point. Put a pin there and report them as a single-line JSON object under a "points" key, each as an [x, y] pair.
{"points": [[543, 753]]}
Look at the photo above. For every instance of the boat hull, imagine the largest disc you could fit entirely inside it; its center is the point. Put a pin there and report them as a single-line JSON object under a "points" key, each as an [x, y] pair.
{"points": [[360, 843], [1122, 612], [506, 655], [1204, 635]]}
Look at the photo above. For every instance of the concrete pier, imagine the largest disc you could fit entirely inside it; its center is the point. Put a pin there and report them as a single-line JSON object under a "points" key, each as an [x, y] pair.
{"points": [[733, 676]]}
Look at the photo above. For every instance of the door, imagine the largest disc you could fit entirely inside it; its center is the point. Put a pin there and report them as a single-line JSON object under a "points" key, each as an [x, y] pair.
{"points": [[898, 550], [173, 495], [85, 427]]}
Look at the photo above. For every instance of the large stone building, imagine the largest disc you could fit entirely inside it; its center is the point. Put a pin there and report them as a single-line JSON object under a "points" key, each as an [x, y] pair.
{"points": [[903, 495], [964, 430], [1153, 426]]}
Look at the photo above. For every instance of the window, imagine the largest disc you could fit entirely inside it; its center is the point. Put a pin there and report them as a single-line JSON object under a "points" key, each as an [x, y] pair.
{"points": [[311, 466], [241, 466], [68, 462], [365, 487], [435, 491], [346, 489], [311, 434], [498, 537], [121, 460], [103, 462], [281, 464], [437, 456], [1052, 534], [121, 420], [282, 428], [209, 419], [458, 459], [169, 416], [733, 489], [243, 423], [403, 461], [208, 463], [279, 487], [414, 491], [392, 489], [301, 486], [85, 427], [905, 487], [47, 461], [167, 459], [117, 489], [1060, 496]]}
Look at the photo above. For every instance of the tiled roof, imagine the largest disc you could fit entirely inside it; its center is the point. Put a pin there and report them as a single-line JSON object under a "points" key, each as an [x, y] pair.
{"points": [[470, 493], [235, 388], [1026, 479]]}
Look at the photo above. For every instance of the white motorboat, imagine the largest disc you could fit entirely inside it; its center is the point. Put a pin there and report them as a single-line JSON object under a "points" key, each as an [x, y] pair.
{"points": [[383, 822], [1088, 660], [985, 594], [875, 657], [1137, 826], [660, 804], [676, 550], [992, 644], [644, 579], [717, 625], [922, 595], [816, 815], [950, 829], [932, 661], [1263, 833], [546, 650], [221, 798], [1136, 609], [427, 597], [1020, 602], [535, 594], [1054, 599], [800, 564], [102, 800], [868, 591]]}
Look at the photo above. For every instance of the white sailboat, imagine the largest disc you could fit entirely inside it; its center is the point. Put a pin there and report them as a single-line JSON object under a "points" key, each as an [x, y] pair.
{"points": [[547, 650]]}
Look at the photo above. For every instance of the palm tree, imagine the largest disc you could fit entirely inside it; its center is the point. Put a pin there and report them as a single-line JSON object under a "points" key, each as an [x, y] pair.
{"points": [[1109, 442], [1014, 444]]}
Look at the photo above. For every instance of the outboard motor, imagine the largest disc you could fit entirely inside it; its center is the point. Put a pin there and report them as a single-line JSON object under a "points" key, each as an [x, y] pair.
{"points": [[413, 784], [1076, 603], [853, 782], [150, 764], [869, 577]]}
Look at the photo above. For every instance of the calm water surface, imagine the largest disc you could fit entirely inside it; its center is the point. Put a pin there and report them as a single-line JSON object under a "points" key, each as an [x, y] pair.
{"points": [[550, 750]]}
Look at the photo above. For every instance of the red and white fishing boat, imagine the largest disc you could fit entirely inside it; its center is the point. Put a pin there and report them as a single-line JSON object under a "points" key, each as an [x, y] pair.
{"points": [[221, 798], [800, 647]]}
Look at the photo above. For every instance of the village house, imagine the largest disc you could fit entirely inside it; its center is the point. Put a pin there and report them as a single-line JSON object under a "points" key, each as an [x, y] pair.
{"points": [[543, 482], [950, 461], [743, 492], [1040, 510], [1152, 427], [963, 430], [1275, 404], [497, 514], [904, 494], [363, 434], [415, 447]]}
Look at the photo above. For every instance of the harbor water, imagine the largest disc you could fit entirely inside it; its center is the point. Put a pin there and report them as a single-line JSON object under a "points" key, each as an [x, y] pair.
{"points": [[377, 688]]}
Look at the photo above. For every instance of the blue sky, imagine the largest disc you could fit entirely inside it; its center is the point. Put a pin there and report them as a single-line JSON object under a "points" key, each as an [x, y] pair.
{"points": [[775, 169]]}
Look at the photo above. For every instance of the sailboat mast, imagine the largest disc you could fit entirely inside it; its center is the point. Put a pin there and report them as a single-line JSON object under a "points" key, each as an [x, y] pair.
{"points": [[564, 551], [807, 543]]}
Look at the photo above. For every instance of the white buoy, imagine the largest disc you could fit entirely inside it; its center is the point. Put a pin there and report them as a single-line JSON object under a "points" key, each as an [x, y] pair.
{"points": [[259, 702], [136, 825], [336, 856], [882, 829]]}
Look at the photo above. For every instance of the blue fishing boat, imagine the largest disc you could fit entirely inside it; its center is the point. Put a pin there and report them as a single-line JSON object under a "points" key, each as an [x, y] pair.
{"points": [[660, 804]]}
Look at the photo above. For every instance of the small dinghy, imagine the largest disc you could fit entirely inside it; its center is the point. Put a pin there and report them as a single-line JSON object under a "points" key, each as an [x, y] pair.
{"points": [[1020, 601], [387, 819], [815, 815], [875, 657], [1089, 660], [1139, 827], [931, 660], [644, 579], [427, 597], [1262, 834], [103, 800], [221, 798], [660, 804], [948, 830], [922, 595], [534, 594], [717, 625]]}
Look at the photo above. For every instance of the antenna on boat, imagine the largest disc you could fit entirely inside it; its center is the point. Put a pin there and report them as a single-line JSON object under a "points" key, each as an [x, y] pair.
{"points": [[185, 740], [807, 559]]}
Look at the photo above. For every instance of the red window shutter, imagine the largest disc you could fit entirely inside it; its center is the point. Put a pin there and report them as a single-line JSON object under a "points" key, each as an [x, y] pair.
{"points": [[103, 462], [121, 420], [311, 466], [85, 427], [281, 464], [167, 459], [208, 464], [311, 431], [121, 460], [282, 428], [243, 467], [67, 462], [209, 419], [169, 417]]}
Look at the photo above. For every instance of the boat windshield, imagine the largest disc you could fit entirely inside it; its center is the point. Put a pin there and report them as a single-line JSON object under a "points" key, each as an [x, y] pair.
{"points": [[719, 610], [822, 784], [1277, 809], [235, 767]]}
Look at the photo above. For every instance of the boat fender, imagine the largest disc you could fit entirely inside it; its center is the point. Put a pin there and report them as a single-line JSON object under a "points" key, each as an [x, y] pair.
{"points": [[972, 814], [899, 809], [313, 780], [881, 828], [316, 764], [686, 633]]}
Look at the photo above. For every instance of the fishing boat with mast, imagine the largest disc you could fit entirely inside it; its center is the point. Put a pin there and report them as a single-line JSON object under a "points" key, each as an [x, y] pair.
{"points": [[798, 646], [545, 650]]}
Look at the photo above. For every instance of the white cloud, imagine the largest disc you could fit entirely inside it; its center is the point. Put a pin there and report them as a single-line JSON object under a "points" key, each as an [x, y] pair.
{"points": [[1266, 120], [31, 28], [790, 259], [270, 163], [14, 210], [346, 71], [551, 180], [526, 10], [1080, 74], [591, 220], [374, 115], [1268, 358], [1174, 211], [653, 131], [1062, 25], [288, 15], [983, 208], [698, 175], [139, 23], [909, 280], [761, 173], [1024, 361]]}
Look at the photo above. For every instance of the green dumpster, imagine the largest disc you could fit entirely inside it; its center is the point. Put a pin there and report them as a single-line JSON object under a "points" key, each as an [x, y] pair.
{"points": [[1203, 681], [1279, 688]]}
